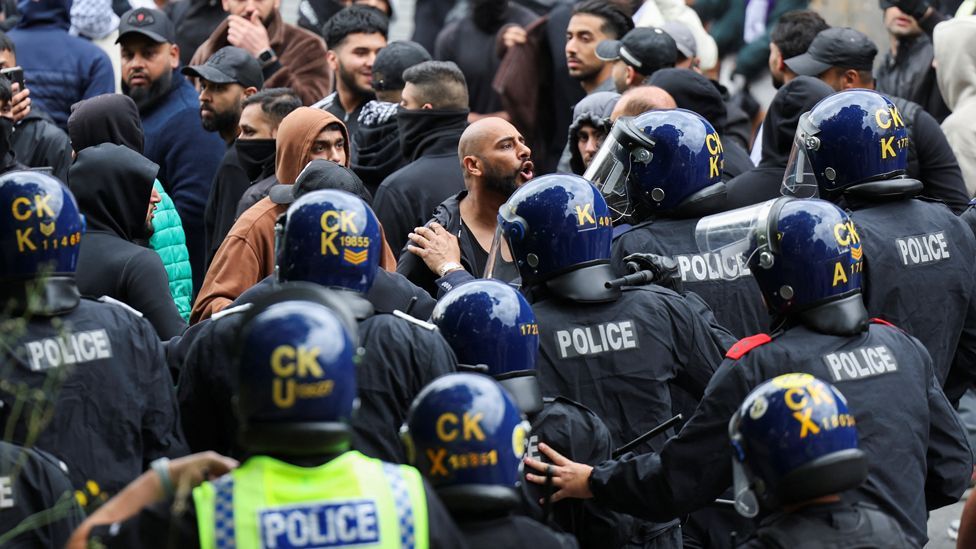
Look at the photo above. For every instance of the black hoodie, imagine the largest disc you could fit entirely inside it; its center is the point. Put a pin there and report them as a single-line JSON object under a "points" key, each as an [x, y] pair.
{"points": [[113, 184], [763, 182], [694, 92]]}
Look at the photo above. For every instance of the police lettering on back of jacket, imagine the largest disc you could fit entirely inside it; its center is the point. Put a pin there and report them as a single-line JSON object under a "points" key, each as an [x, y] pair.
{"points": [[595, 338], [851, 149], [83, 379], [662, 171], [493, 330], [807, 261]]}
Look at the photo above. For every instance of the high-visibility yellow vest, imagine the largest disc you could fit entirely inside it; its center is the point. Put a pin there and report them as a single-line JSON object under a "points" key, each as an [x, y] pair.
{"points": [[352, 500]]}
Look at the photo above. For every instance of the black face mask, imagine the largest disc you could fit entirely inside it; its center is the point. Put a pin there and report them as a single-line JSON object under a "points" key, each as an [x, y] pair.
{"points": [[256, 157], [421, 126]]}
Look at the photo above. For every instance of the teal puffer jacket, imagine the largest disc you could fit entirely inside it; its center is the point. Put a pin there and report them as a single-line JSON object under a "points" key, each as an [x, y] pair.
{"points": [[169, 241]]}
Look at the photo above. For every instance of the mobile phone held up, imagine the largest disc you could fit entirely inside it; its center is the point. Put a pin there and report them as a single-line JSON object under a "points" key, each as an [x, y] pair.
{"points": [[14, 74]]}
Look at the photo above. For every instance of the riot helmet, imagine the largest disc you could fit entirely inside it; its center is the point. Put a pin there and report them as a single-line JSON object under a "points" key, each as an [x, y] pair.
{"points": [[558, 228], [793, 439], [331, 238], [658, 162], [296, 375], [802, 253], [492, 328], [41, 226], [40, 236], [851, 137], [466, 436]]}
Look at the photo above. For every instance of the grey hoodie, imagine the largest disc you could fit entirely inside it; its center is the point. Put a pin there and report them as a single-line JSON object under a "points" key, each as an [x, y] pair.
{"points": [[594, 109], [955, 57]]}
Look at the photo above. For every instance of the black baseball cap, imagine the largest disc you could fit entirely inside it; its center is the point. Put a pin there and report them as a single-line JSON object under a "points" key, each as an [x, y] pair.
{"points": [[229, 65], [147, 22], [317, 175], [835, 47], [644, 48], [392, 60]]}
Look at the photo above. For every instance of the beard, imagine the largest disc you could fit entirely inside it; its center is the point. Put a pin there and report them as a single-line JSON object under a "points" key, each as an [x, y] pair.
{"points": [[586, 73], [222, 121], [503, 184], [145, 97], [349, 79]]}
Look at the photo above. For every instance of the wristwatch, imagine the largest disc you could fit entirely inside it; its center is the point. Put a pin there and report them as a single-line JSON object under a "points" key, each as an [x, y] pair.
{"points": [[448, 267], [266, 57]]}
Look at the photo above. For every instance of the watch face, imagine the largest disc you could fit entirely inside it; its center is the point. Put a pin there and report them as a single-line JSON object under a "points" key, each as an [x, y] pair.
{"points": [[266, 56]]}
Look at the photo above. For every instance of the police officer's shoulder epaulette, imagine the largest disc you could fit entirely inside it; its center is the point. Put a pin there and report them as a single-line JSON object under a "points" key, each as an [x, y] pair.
{"points": [[231, 311], [113, 301], [414, 320], [746, 344], [884, 322]]}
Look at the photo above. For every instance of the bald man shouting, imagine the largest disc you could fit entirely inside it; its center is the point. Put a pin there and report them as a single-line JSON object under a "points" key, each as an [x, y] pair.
{"points": [[495, 161]]}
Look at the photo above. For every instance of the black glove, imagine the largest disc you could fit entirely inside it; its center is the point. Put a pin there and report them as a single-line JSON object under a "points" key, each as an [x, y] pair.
{"points": [[915, 8], [665, 269]]}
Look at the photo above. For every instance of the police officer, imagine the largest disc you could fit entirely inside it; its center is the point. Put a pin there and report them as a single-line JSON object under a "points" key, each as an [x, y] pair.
{"points": [[33, 481], [920, 270], [668, 167], [467, 436], [301, 485], [83, 379], [330, 238], [798, 475], [806, 260], [492, 329], [617, 351]]}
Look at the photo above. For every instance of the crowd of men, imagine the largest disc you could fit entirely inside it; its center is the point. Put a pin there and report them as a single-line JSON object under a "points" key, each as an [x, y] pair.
{"points": [[532, 279]]}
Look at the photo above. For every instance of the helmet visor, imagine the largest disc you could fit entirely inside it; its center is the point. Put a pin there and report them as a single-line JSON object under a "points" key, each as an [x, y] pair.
{"points": [[610, 168], [500, 264], [799, 180], [738, 234]]}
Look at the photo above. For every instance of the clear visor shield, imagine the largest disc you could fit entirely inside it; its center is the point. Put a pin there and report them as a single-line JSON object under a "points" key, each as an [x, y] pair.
{"points": [[500, 265], [746, 503], [737, 234], [610, 168], [799, 180]]}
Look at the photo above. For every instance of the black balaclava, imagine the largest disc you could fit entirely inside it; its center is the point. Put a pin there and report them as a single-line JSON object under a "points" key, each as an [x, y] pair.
{"points": [[110, 118], [256, 157], [420, 127]]}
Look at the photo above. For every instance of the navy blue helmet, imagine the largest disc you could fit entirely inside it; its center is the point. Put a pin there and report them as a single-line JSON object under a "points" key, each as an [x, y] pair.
{"points": [[296, 377], [466, 435], [658, 162], [40, 226], [492, 328], [850, 137], [802, 253], [331, 238], [793, 439], [553, 224]]}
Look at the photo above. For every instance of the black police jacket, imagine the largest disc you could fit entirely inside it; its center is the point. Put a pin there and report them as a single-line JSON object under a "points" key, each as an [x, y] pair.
{"points": [[919, 455], [512, 531], [920, 267], [32, 481], [620, 358], [576, 432], [107, 394], [832, 525], [726, 285], [402, 356]]}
